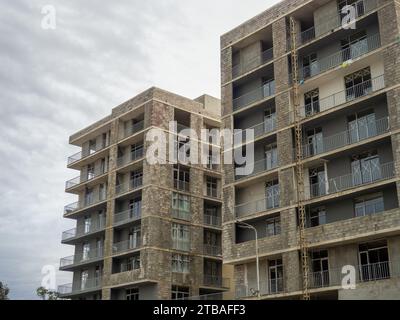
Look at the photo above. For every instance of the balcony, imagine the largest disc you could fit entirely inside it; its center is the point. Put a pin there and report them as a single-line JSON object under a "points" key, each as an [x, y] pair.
{"points": [[127, 245], [214, 221], [267, 126], [273, 286], [347, 138], [127, 216], [353, 93], [181, 244], [83, 179], [84, 230], [212, 192], [257, 95], [215, 281], [88, 201], [341, 57], [130, 157], [132, 129], [130, 185], [263, 165], [81, 259], [362, 7], [266, 204], [85, 154], [212, 250], [380, 173], [257, 61], [89, 285], [181, 185]]}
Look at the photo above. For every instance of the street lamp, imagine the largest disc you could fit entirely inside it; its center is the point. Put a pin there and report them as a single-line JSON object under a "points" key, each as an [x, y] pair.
{"points": [[249, 226]]}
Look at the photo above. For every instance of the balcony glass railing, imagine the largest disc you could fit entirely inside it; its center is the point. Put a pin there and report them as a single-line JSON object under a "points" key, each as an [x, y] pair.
{"points": [[181, 244], [130, 185], [269, 125], [269, 203], [211, 220], [262, 165], [128, 215], [362, 131], [127, 245], [212, 250], [355, 92], [130, 157], [83, 230], [355, 51], [259, 94], [84, 154], [252, 63], [366, 176], [82, 258], [90, 284], [85, 178], [273, 286], [215, 281], [87, 201], [181, 185], [329, 23], [133, 128]]}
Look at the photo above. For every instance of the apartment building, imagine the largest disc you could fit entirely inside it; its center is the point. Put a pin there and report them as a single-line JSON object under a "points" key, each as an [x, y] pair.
{"points": [[349, 115], [144, 231]]}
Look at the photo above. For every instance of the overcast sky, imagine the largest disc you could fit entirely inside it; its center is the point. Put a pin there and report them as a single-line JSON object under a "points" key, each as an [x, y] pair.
{"points": [[55, 82]]}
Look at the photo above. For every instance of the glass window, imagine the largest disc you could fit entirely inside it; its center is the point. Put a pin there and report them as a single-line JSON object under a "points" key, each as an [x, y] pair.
{"points": [[368, 206], [179, 293], [273, 226], [132, 294], [180, 263]]}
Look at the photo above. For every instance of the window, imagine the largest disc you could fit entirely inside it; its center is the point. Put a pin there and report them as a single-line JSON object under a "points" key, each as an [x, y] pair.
{"points": [[320, 269], [369, 205], [89, 196], [211, 216], [269, 119], [90, 171], [99, 247], [136, 151], [136, 178], [131, 263], [132, 294], [134, 237], [180, 263], [135, 207], [92, 146], [273, 226], [315, 143], [97, 275], [212, 273], [180, 237], [87, 224], [212, 187], [268, 87], [275, 271], [311, 101], [272, 194], [317, 217], [354, 46], [103, 166], [180, 206], [362, 126], [271, 156], [310, 65], [179, 293], [366, 168], [358, 84], [317, 181], [84, 279], [181, 178], [85, 251], [374, 261]]}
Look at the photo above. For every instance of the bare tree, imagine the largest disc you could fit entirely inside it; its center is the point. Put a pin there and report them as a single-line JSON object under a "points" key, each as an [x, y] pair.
{"points": [[4, 291]]}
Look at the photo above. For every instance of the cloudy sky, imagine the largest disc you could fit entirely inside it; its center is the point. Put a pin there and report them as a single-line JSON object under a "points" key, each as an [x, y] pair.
{"points": [[54, 82]]}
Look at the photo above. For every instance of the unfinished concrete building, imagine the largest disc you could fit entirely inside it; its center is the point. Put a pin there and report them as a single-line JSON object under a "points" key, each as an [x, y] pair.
{"points": [[144, 231], [348, 112]]}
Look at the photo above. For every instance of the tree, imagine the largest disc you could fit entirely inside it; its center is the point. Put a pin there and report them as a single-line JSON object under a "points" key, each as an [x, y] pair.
{"points": [[43, 293], [4, 291]]}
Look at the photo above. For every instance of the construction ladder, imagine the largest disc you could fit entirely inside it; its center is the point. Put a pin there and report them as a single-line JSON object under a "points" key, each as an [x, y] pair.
{"points": [[299, 163]]}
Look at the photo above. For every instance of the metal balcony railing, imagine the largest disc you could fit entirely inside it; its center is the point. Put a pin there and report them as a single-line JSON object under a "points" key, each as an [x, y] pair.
{"points": [[133, 128], [380, 173], [127, 216], [84, 154], [83, 230], [129, 266], [81, 258], [131, 185], [130, 157], [215, 281], [267, 90], [269, 125], [348, 137], [212, 192], [355, 92], [212, 220], [355, 51], [252, 63], [91, 284], [269, 203], [273, 286], [126, 245], [85, 178], [181, 185], [361, 7], [180, 244], [87, 201], [212, 250], [262, 165]]}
